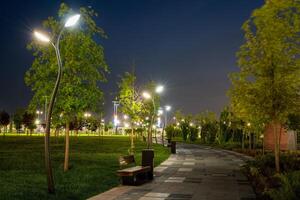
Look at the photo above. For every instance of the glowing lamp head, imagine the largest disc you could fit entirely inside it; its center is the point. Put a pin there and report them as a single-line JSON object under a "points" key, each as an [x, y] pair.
{"points": [[168, 108], [146, 95], [42, 37], [71, 21], [159, 89]]}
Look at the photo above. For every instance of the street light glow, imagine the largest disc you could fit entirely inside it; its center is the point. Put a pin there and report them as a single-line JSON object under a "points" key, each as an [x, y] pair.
{"points": [[146, 95], [40, 36], [87, 114], [71, 21], [168, 108], [37, 122], [160, 112], [159, 89]]}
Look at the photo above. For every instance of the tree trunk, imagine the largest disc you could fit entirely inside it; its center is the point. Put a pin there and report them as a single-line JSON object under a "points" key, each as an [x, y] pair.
{"points": [[276, 146], [155, 132], [250, 141], [150, 134], [131, 139], [67, 147], [243, 142]]}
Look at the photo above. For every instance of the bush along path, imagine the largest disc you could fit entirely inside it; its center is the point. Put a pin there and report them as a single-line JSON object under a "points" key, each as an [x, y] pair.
{"points": [[195, 172]]}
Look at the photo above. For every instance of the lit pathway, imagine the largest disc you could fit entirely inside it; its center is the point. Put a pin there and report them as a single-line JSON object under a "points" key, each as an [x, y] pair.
{"points": [[195, 172]]}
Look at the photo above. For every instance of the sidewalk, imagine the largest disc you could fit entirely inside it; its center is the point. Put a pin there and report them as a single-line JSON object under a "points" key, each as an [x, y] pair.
{"points": [[194, 173]]}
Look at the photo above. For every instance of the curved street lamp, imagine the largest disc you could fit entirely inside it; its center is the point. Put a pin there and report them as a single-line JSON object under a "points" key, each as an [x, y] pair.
{"points": [[71, 21]]}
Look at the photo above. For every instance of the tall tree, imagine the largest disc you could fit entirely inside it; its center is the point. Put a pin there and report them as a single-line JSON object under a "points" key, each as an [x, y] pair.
{"points": [[267, 86], [4, 120], [18, 118], [28, 121], [84, 67], [130, 101]]}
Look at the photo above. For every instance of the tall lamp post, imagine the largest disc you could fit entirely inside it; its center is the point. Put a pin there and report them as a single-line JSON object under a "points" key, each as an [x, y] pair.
{"points": [[167, 109], [71, 21], [159, 89]]}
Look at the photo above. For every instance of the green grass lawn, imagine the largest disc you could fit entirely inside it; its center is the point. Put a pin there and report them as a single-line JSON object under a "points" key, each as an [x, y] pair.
{"points": [[93, 163]]}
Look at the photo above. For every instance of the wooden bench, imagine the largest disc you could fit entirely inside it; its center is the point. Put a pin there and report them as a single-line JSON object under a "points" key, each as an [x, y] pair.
{"points": [[134, 175]]}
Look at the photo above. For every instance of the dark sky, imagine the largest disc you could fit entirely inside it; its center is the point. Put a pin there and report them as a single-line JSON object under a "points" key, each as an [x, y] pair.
{"points": [[189, 46]]}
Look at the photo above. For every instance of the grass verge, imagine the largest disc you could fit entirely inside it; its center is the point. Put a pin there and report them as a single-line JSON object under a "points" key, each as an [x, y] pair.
{"points": [[93, 163]]}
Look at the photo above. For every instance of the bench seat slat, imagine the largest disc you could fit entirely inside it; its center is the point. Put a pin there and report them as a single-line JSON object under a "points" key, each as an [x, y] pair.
{"points": [[133, 170]]}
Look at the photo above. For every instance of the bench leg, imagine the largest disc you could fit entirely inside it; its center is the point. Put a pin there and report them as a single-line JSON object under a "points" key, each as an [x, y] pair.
{"points": [[136, 180], [128, 180]]}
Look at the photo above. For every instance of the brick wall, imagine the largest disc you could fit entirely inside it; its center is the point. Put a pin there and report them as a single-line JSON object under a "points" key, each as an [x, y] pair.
{"points": [[269, 138]]}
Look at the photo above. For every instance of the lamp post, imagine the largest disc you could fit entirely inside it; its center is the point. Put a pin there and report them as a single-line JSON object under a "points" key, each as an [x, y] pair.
{"points": [[167, 109], [71, 21], [159, 89]]}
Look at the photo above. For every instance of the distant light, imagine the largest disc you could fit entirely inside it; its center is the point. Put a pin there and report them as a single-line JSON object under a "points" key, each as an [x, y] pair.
{"points": [[160, 112], [87, 114], [168, 108], [191, 124], [37, 122], [42, 37], [159, 89], [125, 117], [146, 95], [147, 118], [126, 125], [71, 21], [248, 124]]}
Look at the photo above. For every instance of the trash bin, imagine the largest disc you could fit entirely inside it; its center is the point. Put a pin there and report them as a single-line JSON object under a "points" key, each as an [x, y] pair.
{"points": [[173, 147], [148, 160], [169, 142]]}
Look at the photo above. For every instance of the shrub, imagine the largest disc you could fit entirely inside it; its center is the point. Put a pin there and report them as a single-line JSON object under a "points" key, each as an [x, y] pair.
{"points": [[289, 187], [193, 134], [185, 130], [169, 131], [177, 132]]}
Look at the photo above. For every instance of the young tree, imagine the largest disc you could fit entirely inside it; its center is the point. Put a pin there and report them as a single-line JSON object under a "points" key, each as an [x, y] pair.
{"points": [[267, 86], [84, 67], [130, 101], [4, 120], [150, 107], [18, 118], [28, 121]]}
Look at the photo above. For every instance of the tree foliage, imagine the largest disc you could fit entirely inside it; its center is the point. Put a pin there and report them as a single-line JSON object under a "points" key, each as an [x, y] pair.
{"points": [[84, 66], [129, 98], [4, 118], [266, 89]]}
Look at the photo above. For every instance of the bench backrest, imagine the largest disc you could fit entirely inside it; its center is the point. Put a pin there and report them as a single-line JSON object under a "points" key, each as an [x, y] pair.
{"points": [[126, 160]]}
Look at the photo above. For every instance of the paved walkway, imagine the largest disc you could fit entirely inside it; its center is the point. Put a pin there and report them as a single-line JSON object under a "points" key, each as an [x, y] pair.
{"points": [[194, 173]]}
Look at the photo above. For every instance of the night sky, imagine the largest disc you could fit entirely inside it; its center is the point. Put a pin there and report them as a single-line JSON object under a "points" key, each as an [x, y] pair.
{"points": [[189, 46]]}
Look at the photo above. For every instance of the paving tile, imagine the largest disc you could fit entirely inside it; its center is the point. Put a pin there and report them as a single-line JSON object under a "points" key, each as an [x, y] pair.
{"points": [[188, 163], [157, 194], [185, 169], [160, 169]]}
